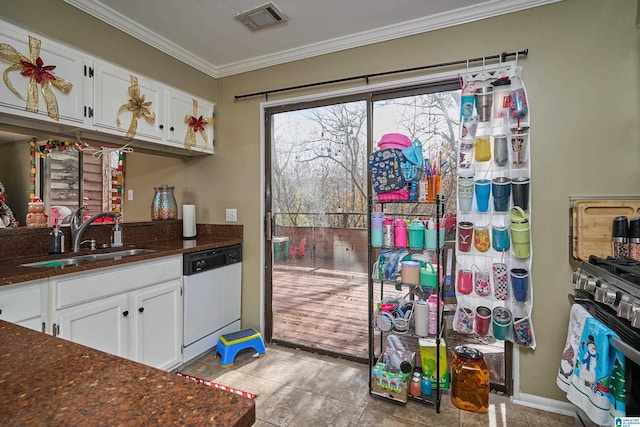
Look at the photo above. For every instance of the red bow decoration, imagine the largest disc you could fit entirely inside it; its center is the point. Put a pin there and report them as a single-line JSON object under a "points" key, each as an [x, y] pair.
{"points": [[196, 125], [39, 70], [38, 74]]}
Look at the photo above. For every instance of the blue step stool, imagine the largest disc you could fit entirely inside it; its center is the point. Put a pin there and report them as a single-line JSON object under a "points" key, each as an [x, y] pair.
{"points": [[230, 344]]}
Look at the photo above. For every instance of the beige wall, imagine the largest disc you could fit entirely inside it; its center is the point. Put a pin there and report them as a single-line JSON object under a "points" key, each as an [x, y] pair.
{"points": [[582, 81]]}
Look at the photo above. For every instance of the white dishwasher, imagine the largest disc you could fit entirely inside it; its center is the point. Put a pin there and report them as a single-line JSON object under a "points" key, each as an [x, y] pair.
{"points": [[212, 298]]}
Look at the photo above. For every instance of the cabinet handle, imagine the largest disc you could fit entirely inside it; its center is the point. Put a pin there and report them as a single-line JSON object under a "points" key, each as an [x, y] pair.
{"points": [[171, 128], [85, 107], [141, 309], [44, 327], [0, 311], [90, 71], [90, 112], [125, 313], [161, 126]]}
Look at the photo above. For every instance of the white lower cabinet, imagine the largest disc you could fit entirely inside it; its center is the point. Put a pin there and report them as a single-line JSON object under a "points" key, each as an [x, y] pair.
{"points": [[103, 325], [157, 337], [133, 311], [24, 304]]}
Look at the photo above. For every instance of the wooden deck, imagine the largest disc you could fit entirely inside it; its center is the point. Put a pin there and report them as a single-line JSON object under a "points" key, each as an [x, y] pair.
{"points": [[326, 310], [321, 309]]}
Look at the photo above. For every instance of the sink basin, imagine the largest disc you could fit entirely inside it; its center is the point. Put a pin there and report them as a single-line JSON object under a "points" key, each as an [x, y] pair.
{"points": [[84, 259]]}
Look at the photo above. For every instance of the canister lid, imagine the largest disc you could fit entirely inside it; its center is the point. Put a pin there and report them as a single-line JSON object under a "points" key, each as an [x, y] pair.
{"points": [[410, 264], [469, 352]]}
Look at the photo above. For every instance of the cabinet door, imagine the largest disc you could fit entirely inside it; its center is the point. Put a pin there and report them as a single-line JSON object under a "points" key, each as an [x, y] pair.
{"points": [[157, 336], [23, 304], [68, 66], [179, 104], [103, 325], [111, 90]]}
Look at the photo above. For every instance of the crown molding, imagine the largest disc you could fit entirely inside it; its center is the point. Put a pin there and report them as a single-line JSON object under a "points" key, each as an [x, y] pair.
{"points": [[409, 28], [136, 30]]}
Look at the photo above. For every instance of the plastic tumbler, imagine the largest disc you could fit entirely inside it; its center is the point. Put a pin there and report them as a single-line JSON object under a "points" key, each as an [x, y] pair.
{"points": [[464, 284], [484, 102], [376, 229], [481, 284], [500, 150], [501, 191], [481, 239], [483, 149], [400, 233], [501, 322], [500, 238], [520, 192], [482, 190], [465, 190], [500, 282], [519, 143], [465, 236], [522, 331], [483, 320], [466, 105], [520, 284], [464, 320]]}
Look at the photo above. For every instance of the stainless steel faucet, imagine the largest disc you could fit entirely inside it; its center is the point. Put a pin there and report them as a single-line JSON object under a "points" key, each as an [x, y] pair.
{"points": [[78, 227]]}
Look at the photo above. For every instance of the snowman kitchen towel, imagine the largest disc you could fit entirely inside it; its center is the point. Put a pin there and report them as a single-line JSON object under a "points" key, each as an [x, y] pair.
{"points": [[597, 385], [570, 354]]}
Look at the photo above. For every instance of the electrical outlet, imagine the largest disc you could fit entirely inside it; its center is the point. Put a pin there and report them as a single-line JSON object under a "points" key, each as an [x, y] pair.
{"points": [[232, 215], [129, 194]]}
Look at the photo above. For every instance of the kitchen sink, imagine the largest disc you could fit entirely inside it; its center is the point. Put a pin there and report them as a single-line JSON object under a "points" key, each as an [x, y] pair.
{"points": [[84, 259]]}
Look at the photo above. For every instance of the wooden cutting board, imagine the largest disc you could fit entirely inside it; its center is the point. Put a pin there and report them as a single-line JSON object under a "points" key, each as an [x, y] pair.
{"points": [[593, 223]]}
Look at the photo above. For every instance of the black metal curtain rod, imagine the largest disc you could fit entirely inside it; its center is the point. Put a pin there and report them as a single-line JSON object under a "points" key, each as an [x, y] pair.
{"points": [[502, 56]]}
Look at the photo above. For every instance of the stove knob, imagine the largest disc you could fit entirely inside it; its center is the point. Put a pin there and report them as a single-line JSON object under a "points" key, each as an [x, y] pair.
{"points": [[575, 276], [582, 282], [591, 285], [611, 296]]}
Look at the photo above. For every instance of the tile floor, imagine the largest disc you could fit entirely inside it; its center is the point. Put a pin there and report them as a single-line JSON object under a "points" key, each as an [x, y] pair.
{"points": [[297, 388]]}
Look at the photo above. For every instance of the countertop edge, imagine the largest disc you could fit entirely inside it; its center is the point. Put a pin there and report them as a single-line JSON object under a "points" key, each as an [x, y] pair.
{"points": [[14, 273]]}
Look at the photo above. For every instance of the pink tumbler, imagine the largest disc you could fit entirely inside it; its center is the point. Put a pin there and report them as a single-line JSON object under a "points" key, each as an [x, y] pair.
{"points": [[400, 234]]}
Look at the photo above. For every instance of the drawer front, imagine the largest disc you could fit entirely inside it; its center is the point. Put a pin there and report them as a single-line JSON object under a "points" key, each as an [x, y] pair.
{"points": [[101, 283], [20, 302]]}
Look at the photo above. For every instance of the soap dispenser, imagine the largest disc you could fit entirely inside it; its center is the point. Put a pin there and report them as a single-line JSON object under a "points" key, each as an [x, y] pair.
{"points": [[57, 240], [116, 235]]}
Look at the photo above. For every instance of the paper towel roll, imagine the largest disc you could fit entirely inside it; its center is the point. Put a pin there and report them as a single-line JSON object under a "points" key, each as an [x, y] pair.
{"points": [[188, 220], [421, 318]]}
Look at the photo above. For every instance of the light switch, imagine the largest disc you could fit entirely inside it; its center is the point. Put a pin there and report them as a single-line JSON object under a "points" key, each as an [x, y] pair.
{"points": [[232, 215], [129, 194]]}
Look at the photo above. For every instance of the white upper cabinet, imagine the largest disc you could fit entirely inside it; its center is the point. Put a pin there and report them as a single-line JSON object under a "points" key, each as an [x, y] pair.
{"points": [[69, 66], [99, 95], [179, 110], [114, 98]]}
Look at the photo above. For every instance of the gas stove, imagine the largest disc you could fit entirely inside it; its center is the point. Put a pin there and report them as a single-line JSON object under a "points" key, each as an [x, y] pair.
{"points": [[610, 290]]}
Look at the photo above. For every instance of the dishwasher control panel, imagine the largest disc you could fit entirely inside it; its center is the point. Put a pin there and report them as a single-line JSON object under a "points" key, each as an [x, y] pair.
{"points": [[197, 262]]}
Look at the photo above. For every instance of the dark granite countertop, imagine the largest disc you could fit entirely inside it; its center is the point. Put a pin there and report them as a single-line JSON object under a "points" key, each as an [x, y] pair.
{"points": [[48, 381], [164, 237]]}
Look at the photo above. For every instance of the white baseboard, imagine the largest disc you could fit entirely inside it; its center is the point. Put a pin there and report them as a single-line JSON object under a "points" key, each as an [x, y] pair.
{"points": [[545, 404]]}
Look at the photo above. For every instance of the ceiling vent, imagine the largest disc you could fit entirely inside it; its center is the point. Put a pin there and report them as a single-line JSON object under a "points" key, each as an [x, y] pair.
{"points": [[261, 17]]}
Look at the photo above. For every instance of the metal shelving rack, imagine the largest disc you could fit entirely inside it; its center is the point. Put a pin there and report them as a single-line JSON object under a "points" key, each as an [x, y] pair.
{"points": [[435, 397]]}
